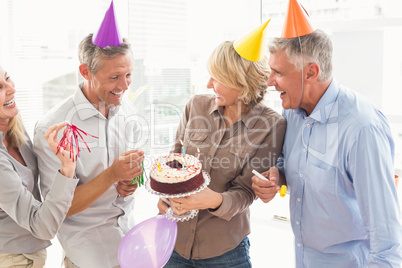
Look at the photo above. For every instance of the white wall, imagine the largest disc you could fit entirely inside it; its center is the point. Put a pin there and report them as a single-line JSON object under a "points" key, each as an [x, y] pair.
{"points": [[358, 62]]}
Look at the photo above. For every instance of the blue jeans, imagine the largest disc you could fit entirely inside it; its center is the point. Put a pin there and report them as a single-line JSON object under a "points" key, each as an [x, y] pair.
{"points": [[236, 258]]}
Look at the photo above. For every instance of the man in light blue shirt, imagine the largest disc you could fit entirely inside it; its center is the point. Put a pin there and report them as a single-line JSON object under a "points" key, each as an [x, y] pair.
{"points": [[337, 161]]}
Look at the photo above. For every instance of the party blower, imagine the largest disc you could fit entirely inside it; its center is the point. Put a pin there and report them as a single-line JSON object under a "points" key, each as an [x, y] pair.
{"points": [[282, 191]]}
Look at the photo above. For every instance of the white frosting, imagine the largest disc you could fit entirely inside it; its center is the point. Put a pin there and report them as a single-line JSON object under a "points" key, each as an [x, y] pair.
{"points": [[192, 167]]}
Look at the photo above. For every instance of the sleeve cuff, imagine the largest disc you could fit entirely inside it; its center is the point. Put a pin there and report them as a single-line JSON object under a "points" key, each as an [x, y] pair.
{"points": [[63, 187], [224, 208]]}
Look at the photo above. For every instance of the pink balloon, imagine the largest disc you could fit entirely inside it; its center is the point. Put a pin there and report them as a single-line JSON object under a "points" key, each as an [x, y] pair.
{"points": [[148, 244]]}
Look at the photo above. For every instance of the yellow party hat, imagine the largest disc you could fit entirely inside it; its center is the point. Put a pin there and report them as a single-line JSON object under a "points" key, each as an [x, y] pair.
{"points": [[252, 46]]}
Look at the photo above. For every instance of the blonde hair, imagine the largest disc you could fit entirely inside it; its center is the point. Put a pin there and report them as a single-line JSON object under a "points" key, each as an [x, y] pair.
{"points": [[16, 132], [230, 69]]}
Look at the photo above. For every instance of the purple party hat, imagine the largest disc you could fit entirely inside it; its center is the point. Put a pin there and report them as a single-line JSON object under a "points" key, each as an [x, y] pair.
{"points": [[108, 33]]}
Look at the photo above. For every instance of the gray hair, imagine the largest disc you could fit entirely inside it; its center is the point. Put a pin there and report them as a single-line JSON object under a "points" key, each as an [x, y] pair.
{"points": [[92, 55], [316, 47]]}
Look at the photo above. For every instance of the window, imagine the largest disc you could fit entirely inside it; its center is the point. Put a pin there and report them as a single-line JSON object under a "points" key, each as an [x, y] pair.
{"points": [[172, 41]]}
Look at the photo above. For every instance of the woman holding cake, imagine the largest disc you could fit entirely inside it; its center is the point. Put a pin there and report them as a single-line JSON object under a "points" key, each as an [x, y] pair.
{"points": [[27, 225], [235, 133]]}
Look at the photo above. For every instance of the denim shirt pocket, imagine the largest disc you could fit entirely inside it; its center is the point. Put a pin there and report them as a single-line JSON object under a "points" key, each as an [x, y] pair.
{"points": [[321, 181]]}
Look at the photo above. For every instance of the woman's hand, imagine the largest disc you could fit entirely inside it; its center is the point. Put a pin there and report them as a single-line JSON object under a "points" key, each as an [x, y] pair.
{"points": [[162, 206], [66, 159], [205, 199]]}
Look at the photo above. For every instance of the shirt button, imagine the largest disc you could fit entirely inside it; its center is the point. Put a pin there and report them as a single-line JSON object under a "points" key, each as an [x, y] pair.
{"points": [[298, 244], [304, 150], [308, 125], [301, 175], [297, 222], [298, 199]]}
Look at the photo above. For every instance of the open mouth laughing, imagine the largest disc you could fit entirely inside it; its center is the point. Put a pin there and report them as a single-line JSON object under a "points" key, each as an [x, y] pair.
{"points": [[117, 93], [9, 103]]}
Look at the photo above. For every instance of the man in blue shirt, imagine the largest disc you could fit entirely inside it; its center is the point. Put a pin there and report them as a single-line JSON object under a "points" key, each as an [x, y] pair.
{"points": [[337, 161]]}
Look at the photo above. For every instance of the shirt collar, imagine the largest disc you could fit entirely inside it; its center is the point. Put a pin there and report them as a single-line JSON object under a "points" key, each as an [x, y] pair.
{"points": [[85, 108], [214, 108], [247, 119], [322, 110], [1, 140], [251, 118]]}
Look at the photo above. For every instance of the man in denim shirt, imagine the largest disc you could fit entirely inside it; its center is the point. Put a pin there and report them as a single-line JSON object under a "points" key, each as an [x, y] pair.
{"points": [[337, 161]]}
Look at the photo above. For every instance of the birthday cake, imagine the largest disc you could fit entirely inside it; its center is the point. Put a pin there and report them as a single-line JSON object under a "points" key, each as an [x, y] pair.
{"points": [[176, 174]]}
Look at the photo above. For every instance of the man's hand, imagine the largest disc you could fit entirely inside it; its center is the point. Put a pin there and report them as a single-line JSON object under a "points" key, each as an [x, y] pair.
{"points": [[127, 166], [126, 188], [266, 190]]}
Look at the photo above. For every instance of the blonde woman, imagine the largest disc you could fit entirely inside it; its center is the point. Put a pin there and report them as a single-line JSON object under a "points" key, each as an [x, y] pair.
{"points": [[235, 133], [27, 223]]}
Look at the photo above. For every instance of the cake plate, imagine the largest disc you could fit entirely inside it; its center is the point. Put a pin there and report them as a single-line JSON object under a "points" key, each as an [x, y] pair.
{"points": [[170, 213]]}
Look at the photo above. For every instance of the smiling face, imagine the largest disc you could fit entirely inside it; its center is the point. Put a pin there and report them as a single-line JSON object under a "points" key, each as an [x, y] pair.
{"points": [[285, 79], [109, 83], [8, 107], [225, 96]]}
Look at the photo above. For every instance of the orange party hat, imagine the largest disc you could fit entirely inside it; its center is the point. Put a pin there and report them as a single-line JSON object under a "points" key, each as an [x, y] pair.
{"points": [[297, 21], [252, 46]]}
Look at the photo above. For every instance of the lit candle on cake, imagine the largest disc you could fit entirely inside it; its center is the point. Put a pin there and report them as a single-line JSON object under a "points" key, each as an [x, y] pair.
{"points": [[184, 153], [198, 156], [182, 148], [160, 158]]}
